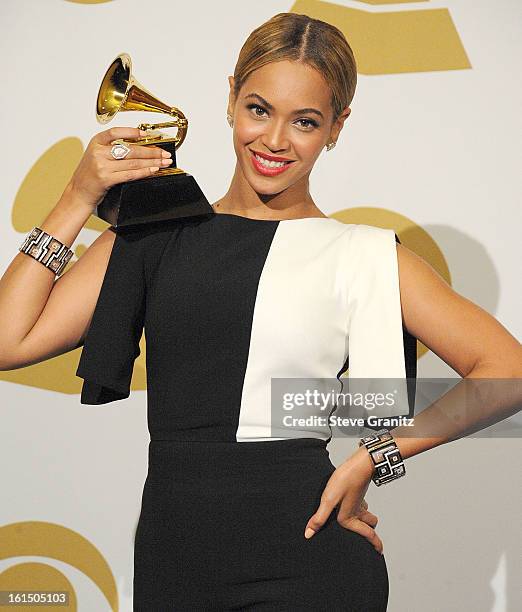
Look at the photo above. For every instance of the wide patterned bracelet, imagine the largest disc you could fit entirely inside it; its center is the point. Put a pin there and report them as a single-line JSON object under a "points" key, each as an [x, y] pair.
{"points": [[46, 249], [385, 455]]}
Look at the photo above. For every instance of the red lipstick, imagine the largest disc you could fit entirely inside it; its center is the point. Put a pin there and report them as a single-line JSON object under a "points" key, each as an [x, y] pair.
{"points": [[266, 170]]}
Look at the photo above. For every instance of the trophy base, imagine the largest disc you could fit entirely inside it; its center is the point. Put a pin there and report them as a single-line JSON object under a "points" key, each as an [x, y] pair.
{"points": [[157, 198]]}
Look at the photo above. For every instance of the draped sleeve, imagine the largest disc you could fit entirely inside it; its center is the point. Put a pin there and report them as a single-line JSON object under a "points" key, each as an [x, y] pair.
{"points": [[111, 345], [380, 346]]}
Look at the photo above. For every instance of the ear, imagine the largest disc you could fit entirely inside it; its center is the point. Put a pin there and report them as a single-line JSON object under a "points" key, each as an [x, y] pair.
{"points": [[231, 97], [339, 123]]}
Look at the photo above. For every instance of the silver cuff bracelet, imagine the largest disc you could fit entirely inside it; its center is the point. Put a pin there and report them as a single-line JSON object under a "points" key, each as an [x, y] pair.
{"points": [[385, 455], [46, 249]]}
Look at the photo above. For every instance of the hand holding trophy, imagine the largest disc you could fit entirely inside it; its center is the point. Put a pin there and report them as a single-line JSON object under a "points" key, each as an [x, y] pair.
{"points": [[170, 192]]}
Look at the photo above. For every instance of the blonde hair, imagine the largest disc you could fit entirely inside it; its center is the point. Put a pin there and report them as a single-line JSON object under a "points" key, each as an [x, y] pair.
{"points": [[300, 38]]}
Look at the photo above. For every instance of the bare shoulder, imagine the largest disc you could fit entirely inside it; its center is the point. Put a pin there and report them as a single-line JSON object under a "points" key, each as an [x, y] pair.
{"points": [[460, 332]]}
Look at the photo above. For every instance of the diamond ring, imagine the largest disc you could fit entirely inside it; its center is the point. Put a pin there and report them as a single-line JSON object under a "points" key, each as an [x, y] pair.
{"points": [[119, 151]]}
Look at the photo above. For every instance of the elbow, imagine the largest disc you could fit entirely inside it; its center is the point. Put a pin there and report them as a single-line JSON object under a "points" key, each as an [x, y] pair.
{"points": [[11, 358], [505, 368], [5, 366], [8, 362]]}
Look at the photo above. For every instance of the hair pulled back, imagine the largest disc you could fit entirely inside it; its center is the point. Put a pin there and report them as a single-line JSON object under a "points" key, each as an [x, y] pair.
{"points": [[300, 38]]}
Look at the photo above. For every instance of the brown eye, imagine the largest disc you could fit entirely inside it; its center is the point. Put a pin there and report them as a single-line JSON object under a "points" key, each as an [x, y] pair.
{"points": [[256, 106], [310, 123]]}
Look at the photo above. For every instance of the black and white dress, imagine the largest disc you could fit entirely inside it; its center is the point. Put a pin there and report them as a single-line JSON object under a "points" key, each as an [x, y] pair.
{"points": [[228, 303]]}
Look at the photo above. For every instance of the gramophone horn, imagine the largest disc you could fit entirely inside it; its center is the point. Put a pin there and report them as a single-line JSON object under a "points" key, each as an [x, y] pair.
{"points": [[120, 91]]}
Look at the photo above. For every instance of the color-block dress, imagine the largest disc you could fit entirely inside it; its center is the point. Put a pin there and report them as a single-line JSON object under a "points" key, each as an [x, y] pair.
{"points": [[228, 303]]}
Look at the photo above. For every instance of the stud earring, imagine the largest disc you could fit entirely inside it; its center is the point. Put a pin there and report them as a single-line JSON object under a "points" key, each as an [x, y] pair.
{"points": [[229, 119], [330, 146]]}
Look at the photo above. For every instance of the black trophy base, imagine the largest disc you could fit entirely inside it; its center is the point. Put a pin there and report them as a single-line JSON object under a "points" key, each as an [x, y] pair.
{"points": [[153, 199]]}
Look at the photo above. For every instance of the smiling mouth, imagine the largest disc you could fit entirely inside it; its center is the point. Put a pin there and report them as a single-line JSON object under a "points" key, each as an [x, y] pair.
{"points": [[266, 167]]}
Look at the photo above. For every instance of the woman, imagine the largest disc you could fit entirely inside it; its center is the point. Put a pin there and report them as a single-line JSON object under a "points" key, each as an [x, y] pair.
{"points": [[256, 290]]}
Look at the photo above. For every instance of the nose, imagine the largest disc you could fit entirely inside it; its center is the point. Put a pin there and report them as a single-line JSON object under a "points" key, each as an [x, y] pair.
{"points": [[275, 136]]}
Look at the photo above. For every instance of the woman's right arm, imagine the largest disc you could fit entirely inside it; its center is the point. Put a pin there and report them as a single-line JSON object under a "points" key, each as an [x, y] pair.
{"points": [[41, 317]]}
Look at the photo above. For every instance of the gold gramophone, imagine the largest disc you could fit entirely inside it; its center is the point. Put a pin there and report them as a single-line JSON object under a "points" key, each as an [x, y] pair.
{"points": [[169, 193]]}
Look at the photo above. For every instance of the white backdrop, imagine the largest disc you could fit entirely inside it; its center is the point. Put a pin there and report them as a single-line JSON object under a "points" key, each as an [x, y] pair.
{"points": [[437, 147]]}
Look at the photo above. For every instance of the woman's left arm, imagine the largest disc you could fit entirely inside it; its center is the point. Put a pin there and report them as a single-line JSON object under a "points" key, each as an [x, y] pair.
{"points": [[469, 340], [461, 333]]}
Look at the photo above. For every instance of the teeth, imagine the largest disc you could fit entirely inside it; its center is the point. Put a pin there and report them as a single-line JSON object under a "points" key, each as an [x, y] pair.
{"points": [[270, 164]]}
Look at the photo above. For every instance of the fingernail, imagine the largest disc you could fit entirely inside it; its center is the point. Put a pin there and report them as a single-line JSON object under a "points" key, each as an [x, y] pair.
{"points": [[166, 162], [309, 532], [166, 153], [143, 133]]}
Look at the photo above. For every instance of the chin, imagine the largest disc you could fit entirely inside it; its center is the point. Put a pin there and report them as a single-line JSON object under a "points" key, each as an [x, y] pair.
{"points": [[264, 189], [270, 189], [266, 185]]}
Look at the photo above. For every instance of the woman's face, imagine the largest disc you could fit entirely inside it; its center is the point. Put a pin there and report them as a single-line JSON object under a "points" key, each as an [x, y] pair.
{"points": [[282, 110]]}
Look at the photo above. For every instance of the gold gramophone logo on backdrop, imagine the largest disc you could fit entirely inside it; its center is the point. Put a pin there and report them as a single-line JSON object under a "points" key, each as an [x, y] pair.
{"points": [[51, 542], [385, 42]]}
